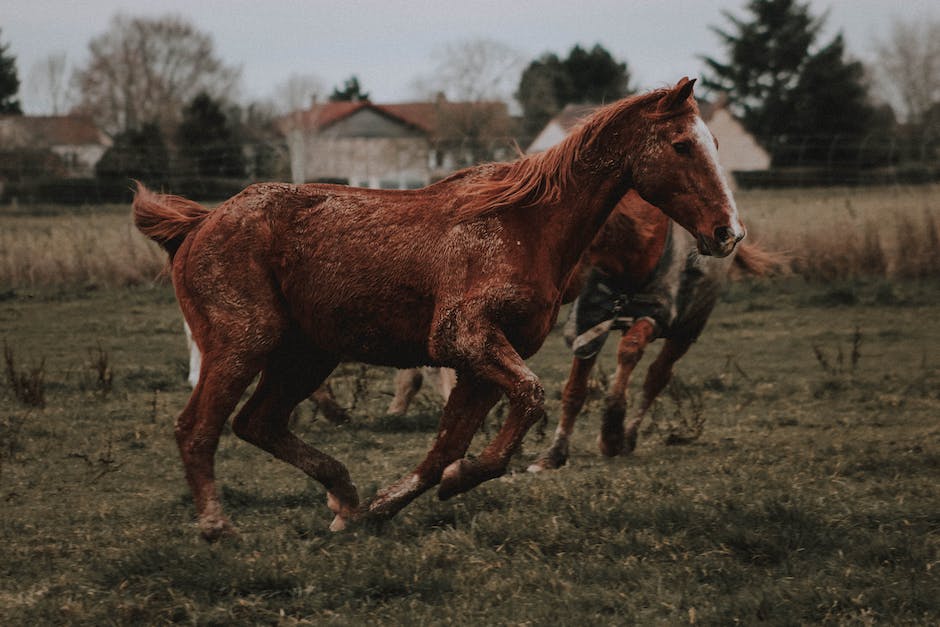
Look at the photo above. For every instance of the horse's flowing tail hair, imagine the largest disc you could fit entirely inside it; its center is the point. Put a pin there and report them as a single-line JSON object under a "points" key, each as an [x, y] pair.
{"points": [[752, 260], [166, 219]]}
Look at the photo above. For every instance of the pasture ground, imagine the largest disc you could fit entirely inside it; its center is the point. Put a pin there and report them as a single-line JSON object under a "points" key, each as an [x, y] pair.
{"points": [[811, 497]]}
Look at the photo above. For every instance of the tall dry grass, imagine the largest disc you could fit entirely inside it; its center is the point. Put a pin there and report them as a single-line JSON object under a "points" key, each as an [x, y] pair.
{"points": [[95, 249], [829, 234], [846, 233]]}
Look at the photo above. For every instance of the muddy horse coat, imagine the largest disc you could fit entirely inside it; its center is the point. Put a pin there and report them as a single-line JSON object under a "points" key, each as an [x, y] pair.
{"points": [[290, 280]]}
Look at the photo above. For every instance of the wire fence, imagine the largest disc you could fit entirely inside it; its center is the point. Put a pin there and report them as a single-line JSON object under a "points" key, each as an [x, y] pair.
{"points": [[71, 176]]}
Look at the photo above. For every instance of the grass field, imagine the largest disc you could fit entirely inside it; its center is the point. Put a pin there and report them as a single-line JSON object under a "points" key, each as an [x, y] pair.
{"points": [[811, 497]]}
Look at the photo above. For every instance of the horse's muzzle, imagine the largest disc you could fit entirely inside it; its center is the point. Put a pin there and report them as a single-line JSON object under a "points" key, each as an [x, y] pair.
{"points": [[721, 243]]}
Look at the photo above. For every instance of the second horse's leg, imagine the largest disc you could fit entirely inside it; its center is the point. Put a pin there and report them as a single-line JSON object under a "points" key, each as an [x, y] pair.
{"points": [[407, 383], [657, 377], [572, 400], [629, 353]]}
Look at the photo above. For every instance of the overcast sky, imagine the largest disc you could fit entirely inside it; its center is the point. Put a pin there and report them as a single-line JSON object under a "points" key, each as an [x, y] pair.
{"points": [[389, 43]]}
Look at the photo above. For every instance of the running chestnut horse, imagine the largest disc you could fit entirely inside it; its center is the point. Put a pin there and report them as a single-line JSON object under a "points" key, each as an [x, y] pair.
{"points": [[639, 276], [469, 273]]}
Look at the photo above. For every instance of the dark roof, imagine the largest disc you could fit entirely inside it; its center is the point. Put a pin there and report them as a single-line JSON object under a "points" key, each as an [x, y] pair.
{"points": [[425, 116], [43, 131]]}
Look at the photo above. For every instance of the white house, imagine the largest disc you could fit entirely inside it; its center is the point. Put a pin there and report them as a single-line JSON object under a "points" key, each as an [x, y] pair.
{"points": [[738, 151], [392, 146], [74, 139]]}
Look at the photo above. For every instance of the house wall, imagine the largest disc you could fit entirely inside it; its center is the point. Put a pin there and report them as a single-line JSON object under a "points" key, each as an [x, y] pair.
{"points": [[737, 149], [552, 134], [80, 160], [366, 149]]}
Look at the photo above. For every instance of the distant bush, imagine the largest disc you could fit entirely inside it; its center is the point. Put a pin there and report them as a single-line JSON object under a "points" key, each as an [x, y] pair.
{"points": [[68, 191], [94, 191]]}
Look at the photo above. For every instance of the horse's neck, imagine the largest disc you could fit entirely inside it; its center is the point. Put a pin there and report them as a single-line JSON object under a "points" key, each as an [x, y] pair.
{"points": [[576, 220], [631, 242]]}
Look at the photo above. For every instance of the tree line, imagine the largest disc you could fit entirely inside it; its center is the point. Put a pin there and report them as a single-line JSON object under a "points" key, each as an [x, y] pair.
{"points": [[158, 88]]}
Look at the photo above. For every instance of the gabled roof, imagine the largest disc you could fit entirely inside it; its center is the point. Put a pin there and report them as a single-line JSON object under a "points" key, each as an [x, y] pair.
{"points": [[424, 116], [44, 131]]}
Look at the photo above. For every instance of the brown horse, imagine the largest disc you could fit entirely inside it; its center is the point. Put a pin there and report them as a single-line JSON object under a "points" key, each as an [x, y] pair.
{"points": [[650, 266], [642, 276], [290, 280]]}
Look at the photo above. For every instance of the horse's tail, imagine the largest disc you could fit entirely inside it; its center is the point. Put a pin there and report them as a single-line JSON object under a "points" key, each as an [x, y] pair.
{"points": [[166, 219], [752, 260]]}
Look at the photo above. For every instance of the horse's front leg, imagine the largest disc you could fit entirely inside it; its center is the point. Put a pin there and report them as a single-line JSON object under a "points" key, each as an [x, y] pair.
{"points": [[463, 414], [613, 439], [657, 377], [572, 400], [502, 365]]}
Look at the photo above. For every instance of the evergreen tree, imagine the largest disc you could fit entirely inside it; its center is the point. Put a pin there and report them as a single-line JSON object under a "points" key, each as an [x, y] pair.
{"points": [[137, 154], [800, 99], [206, 141], [9, 83], [351, 92], [584, 77]]}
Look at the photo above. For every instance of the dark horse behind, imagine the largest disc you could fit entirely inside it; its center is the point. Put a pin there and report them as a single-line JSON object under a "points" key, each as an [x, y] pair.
{"points": [[291, 280]]}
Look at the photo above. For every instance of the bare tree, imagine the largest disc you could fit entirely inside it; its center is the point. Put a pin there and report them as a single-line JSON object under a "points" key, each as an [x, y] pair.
{"points": [[145, 69], [909, 67], [474, 70], [47, 85], [472, 83], [298, 91]]}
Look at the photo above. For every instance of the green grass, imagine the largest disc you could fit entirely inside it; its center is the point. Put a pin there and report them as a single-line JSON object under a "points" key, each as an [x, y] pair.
{"points": [[811, 497]]}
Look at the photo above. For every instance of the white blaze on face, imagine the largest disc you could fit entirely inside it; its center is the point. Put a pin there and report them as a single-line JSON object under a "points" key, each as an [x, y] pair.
{"points": [[704, 137]]}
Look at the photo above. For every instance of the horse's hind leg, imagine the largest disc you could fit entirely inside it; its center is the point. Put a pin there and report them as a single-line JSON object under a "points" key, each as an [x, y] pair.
{"points": [[289, 376], [443, 379], [657, 377], [218, 390], [629, 353], [572, 400], [326, 402]]}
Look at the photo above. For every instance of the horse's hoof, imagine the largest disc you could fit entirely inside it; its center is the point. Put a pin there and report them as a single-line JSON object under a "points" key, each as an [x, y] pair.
{"points": [[610, 445], [344, 512], [552, 460], [538, 466], [454, 479], [629, 442], [213, 529]]}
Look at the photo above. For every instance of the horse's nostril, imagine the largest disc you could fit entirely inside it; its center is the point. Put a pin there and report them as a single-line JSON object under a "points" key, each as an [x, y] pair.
{"points": [[723, 234]]}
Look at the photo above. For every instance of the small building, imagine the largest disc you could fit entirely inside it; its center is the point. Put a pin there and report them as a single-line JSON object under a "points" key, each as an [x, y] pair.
{"points": [[74, 141], [738, 151], [390, 146]]}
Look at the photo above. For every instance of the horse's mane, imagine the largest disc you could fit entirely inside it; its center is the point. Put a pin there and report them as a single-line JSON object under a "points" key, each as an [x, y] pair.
{"points": [[539, 178]]}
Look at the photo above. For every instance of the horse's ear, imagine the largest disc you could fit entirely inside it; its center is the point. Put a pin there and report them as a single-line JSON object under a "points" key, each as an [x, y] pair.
{"points": [[678, 95]]}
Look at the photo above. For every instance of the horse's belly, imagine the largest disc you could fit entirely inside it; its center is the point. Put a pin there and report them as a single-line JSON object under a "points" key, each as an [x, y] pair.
{"points": [[369, 330]]}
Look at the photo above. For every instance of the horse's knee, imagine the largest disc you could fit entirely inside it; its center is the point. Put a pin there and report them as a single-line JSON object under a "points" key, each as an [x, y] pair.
{"points": [[529, 391], [630, 352]]}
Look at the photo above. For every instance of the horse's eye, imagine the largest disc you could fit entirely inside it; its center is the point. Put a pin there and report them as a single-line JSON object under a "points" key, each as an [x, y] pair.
{"points": [[683, 148]]}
